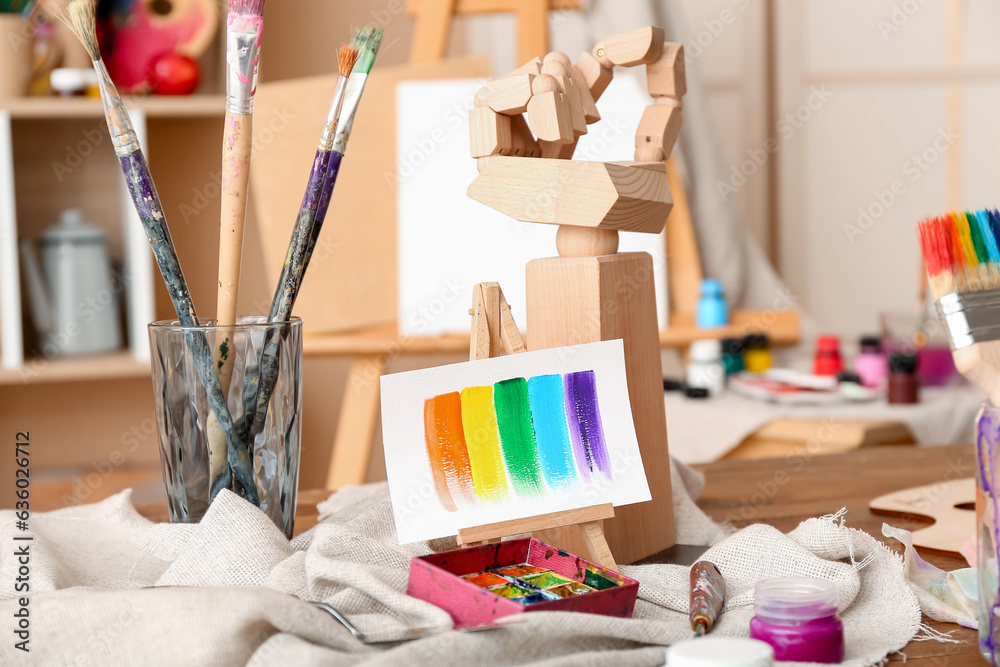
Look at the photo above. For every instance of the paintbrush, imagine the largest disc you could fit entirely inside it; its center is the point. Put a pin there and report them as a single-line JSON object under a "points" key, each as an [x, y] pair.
{"points": [[243, 38], [963, 267], [80, 19], [293, 269], [367, 40]]}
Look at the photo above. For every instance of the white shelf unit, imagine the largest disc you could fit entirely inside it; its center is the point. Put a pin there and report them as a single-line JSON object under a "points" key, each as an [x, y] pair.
{"points": [[139, 271]]}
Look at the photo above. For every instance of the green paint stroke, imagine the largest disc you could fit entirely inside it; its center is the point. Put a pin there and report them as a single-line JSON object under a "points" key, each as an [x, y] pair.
{"points": [[517, 435]]}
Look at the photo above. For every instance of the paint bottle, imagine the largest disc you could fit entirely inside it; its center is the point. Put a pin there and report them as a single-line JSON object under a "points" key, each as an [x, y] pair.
{"points": [[720, 652], [713, 312], [732, 355], [828, 360], [904, 385], [756, 353], [706, 370], [871, 365], [797, 617]]}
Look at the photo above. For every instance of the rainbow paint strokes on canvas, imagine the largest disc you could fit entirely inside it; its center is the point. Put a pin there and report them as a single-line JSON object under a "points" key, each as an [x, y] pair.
{"points": [[518, 438]]}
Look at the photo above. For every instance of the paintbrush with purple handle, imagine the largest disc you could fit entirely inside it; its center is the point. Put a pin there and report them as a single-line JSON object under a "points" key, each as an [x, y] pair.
{"points": [[257, 388], [150, 210], [295, 259]]}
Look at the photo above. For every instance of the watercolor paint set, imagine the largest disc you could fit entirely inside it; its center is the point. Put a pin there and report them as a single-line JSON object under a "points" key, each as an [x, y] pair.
{"points": [[478, 585]]}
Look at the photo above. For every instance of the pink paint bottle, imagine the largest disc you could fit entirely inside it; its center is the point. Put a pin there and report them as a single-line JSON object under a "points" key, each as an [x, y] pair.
{"points": [[797, 616]]}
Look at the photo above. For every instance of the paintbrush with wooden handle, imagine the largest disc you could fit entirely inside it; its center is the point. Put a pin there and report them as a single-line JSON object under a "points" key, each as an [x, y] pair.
{"points": [[243, 40], [296, 256], [81, 20]]}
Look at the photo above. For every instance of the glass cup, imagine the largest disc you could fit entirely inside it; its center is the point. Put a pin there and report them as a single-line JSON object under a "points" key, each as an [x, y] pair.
{"points": [[987, 497], [204, 440]]}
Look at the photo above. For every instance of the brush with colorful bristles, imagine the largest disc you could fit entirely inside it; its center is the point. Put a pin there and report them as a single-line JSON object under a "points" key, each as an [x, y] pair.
{"points": [[962, 254], [81, 20]]}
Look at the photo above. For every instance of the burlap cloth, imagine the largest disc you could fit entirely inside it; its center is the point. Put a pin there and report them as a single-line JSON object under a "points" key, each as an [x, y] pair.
{"points": [[224, 590]]}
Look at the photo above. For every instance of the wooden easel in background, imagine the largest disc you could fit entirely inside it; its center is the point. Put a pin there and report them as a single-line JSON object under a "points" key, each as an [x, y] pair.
{"points": [[494, 332]]}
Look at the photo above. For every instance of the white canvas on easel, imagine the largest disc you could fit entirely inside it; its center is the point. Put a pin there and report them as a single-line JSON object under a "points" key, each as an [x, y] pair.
{"points": [[447, 242]]}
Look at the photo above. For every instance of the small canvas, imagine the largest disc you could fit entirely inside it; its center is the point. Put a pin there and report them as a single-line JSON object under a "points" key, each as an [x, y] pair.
{"points": [[509, 437]]}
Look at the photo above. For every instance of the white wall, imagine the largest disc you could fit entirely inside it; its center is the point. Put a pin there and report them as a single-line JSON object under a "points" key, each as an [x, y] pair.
{"points": [[904, 129]]}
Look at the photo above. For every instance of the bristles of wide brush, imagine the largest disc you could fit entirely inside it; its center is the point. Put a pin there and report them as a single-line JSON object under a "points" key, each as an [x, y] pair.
{"points": [[347, 57], [81, 19], [246, 7], [368, 40], [962, 251]]}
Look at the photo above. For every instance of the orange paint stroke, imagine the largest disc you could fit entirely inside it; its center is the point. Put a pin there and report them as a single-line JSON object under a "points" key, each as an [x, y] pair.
{"points": [[446, 449]]}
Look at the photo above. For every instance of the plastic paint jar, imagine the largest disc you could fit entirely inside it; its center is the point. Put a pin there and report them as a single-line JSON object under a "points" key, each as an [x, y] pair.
{"points": [[756, 353], [720, 652], [828, 360], [871, 365], [732, 355], [904, 384], [797, 616], [706, 370]]}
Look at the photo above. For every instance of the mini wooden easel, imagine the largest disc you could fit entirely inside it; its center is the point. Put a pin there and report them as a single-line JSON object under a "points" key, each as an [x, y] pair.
{"points": [[493, 330]]}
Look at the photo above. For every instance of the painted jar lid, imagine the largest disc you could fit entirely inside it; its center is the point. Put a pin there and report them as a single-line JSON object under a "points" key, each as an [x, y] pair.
{"points": [[720, 652]]}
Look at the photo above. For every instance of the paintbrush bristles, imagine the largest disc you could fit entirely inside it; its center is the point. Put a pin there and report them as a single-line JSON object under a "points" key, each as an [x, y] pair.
{"points": [[962, 252], [82, 21], [368, 40], [346, 58], [246, 7]]}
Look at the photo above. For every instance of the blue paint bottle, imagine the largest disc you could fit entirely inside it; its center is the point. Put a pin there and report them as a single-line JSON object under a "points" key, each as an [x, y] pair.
{"points": [[713, 312]]}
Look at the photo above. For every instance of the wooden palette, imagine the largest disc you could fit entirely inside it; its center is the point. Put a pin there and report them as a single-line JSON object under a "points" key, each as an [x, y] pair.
{"points": [[953, 525]]}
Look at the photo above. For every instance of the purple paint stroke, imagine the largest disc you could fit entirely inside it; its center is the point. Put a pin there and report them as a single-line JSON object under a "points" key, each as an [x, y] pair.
{"points": [[585, 426], [987, 446]]}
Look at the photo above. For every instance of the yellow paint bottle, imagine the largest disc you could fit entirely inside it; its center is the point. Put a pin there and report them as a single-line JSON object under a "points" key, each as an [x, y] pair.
{"points": [[756, 353]]}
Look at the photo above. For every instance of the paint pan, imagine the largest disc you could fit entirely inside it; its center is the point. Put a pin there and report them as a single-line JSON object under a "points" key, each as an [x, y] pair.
{"points": [[486, 579], [571, 589], [520, 570], [510, 591], [545, 579]]}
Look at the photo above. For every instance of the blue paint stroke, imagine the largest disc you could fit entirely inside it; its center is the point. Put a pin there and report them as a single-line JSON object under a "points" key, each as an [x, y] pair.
{"points": [[548, 412]]}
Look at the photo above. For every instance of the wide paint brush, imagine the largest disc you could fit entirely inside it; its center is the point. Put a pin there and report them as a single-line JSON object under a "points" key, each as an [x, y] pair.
{"points": [[245, 28], [295, 258], [147, 204], [963, 265]]}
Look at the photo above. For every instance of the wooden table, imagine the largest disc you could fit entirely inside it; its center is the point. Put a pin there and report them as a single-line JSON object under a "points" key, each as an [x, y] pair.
{"points": [[780, 491], [784, 492]]}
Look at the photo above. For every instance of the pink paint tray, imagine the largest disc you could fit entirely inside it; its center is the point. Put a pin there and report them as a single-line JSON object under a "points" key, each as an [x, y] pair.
{"points": [[478, 585]]}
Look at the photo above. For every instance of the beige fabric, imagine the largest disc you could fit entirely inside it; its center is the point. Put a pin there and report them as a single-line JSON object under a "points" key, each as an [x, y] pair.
{"points": [[222, 590]]}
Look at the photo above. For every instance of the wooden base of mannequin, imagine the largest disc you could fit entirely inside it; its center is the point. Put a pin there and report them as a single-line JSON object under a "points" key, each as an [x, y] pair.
{"points": [[574, 300]]}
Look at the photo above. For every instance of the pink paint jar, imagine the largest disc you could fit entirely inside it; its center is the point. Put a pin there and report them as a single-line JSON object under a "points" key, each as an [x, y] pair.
{"points": [[797, 617]]}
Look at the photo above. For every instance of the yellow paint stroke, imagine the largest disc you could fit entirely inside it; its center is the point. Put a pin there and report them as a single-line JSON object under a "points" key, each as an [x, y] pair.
{"points": [[483, 440]]}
